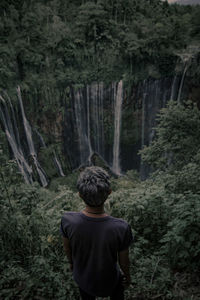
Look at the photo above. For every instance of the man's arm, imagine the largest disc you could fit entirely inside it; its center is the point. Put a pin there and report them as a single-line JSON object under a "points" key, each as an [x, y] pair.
{"points": [[68, 251], [123, 257]]}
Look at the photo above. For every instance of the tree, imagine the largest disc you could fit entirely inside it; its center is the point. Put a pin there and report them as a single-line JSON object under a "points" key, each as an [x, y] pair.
{"points": [[177, 137]]}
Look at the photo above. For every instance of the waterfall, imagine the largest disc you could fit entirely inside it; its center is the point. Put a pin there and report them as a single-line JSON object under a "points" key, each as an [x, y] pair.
{"points": [[14, 122], [117, 126], [82, 128], [93, 122], [143, 119], [182, 81], [101, 95], [97, 114], [92, 126], [56, 161], [32, 151], [144, 95], [153, 95], [59, 167], [88, 124], [173, 89], [88, 111], [79, 123], [97, 107], [12, 135], [41, 138]]}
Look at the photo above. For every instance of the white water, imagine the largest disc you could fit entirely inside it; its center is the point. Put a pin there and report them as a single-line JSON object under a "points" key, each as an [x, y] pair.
{"points": [[41, 138], [88, 125], [88, 108], [32, 151], [58, 165], [81, 127], [97, 106], [101, 97], [143, 119], [181, 84], [14, 142], [117, 127], [14, 123], [172, 96]]}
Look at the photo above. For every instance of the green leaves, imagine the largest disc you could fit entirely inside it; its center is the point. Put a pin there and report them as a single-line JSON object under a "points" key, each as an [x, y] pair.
{"points": [[177, 137], [32, 257], [182, 237], [101, 38]]}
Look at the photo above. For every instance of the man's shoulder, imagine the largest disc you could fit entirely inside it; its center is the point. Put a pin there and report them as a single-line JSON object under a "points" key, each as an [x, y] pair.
{"points": [[70, 216], [71, 213], [120, 222]]}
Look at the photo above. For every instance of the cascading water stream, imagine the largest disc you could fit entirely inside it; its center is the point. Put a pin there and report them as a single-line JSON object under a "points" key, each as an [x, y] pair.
{"points": [[173, 90], [90, 117], [101, 94], [117, 126], [41, 138], [56, 161], [14, 122], [144, 95], [88, 112], [182, 81], [96, 109], [82, 128], [32, 151], [143, 120], [13, 139], [97, 106], [59, 167], [88, 125]]}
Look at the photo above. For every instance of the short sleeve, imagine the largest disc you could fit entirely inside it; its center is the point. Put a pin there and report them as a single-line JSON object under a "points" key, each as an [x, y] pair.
{"points": [[127, 239], [63, 228]]}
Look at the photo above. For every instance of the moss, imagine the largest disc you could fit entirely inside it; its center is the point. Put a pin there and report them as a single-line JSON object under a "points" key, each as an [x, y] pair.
{"points": [[129, 132], [46, 158], [69, 181]]}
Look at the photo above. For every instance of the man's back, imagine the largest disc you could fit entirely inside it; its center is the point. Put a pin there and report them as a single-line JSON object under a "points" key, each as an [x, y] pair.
{"points": [[95, 243]]}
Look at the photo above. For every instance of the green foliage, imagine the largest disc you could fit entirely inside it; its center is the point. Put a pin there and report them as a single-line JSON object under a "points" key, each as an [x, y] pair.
{"points": [[129, 131], [69, 181], [177, 137], [164, 210], [47, 46], [181, 243], [32, 259], [128, 181]]}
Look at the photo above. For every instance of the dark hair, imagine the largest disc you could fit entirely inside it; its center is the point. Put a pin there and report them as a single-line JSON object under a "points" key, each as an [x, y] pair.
{"points": [[94, 186]]}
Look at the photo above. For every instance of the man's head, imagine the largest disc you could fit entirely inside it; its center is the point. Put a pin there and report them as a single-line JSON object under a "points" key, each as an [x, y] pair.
{"points": [[94, 186]]}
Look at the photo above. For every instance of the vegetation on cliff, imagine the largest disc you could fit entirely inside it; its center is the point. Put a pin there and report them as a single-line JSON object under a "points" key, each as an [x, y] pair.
{"points": [[47, 46]]}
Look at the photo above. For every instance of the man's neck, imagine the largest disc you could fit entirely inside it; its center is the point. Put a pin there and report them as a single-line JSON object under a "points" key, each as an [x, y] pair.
{"points": [[95, 212]]}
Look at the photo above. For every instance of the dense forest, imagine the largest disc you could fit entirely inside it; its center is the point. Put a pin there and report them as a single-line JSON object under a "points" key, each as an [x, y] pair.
{"points": [[48, 45], [56, 52]]}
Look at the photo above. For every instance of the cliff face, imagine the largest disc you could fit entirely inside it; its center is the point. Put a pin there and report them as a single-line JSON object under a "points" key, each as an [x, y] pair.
{"points": [[109, 121], [98, 119], [94, 123], [52, 125]]}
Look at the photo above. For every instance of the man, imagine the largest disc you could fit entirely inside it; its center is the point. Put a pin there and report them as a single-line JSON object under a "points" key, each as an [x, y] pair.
{"points": [[94, 241]]}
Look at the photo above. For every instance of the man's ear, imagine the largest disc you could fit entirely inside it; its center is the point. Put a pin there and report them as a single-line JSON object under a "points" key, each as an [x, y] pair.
{"points": [[110, 192], [80, 196]]}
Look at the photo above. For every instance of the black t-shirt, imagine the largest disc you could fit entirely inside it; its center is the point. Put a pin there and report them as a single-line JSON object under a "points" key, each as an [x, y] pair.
{"points": [[95, 243]]}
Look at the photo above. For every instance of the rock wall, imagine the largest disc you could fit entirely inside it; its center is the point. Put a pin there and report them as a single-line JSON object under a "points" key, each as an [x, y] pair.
{"points": [[97, 119]]}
